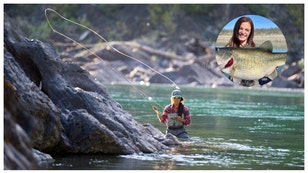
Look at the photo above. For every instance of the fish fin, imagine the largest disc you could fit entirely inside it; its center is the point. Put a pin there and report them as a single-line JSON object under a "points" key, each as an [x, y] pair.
{"points": [[273, 74], [237, 81], [267, 45]]}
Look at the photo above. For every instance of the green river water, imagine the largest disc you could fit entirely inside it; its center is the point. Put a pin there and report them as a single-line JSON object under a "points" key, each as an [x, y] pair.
{"points": [[232, 129]]}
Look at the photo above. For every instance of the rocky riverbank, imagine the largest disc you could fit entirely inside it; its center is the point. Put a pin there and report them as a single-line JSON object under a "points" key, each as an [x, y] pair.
{"points": [[53, 106]]}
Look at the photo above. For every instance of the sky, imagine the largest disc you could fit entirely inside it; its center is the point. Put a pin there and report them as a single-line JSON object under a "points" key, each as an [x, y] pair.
{"points": [[258, 21]]}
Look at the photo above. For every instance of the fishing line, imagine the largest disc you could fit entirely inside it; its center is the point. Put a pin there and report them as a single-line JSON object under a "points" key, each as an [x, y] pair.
{"points": [[110, 46]]}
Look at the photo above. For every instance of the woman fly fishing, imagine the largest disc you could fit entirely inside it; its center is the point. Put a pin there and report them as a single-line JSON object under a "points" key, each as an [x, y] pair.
{"points": [[175, 115]]}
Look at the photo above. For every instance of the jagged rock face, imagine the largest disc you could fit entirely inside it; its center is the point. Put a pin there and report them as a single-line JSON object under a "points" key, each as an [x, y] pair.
{"points": [[60, 107], [17, 144]]}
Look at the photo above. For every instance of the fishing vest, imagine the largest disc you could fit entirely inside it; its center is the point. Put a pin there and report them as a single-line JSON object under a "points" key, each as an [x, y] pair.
{"points": [[173, 123]]}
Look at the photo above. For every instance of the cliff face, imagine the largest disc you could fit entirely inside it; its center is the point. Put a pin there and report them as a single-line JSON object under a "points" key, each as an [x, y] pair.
{"points": [[57, 107]]}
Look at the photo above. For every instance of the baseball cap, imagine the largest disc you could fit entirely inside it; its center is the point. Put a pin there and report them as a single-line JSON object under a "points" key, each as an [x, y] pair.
{"points": [[176, 93]]}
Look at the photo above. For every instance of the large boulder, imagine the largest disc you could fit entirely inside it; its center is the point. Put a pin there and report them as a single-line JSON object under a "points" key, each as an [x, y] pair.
{"points": [[57, 107]]}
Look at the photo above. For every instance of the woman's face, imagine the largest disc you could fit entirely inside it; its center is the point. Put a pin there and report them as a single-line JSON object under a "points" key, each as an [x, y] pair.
{"points": [[176, 100], [244, 32]]}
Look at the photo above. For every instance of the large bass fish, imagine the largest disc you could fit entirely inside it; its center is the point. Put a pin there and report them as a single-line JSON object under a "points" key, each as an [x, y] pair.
{"points": [[250, 63]]}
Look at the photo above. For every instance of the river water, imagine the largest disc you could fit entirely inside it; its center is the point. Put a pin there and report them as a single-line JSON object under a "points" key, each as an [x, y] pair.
{"points": [[232, 129]]}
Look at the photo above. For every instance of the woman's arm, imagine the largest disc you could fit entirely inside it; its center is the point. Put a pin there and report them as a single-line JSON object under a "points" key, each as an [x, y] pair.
{"points": [[159, 115]]}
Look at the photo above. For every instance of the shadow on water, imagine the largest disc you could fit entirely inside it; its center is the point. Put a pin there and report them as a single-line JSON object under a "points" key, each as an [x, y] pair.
{"points": [[231, 129]]}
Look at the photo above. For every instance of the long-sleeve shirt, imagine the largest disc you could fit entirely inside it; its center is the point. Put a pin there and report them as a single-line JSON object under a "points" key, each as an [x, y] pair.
{"points": [[169, 109]]}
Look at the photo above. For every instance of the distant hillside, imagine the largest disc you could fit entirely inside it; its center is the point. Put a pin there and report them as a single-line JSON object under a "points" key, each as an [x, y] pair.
{"points": [[175, 39], [158, 25]]}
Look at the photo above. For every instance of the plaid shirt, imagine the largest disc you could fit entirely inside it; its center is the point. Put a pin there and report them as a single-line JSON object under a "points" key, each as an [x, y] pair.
{"points": [[170, 109]]}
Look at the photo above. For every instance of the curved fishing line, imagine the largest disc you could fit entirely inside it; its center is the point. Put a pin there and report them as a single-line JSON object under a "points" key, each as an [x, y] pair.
{"points": [[105, 40]]}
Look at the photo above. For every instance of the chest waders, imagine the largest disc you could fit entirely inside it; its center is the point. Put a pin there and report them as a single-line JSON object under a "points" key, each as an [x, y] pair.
{"points": [[175, 126], [173, 123]]}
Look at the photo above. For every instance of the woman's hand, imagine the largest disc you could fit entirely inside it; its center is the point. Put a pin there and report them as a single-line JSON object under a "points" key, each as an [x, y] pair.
{"points": [[159, 116], [180, 119], [154, 108]]}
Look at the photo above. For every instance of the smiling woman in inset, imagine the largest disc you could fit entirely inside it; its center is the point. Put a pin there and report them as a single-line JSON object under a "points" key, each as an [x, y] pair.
{"points": [[243, 33], [242, 37]]}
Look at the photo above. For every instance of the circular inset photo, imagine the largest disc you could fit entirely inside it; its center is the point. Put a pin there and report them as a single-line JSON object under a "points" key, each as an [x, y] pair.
{"points": [[251, 50]]}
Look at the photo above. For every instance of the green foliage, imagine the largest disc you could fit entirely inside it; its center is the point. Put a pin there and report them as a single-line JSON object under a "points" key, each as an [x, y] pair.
{"points": [[67, 10], [196, 8], [297, 13], [162, 15], [44, 31], [21, 9], [301, 63], [109, 8], [37, 29], [258, 9], [41, 32]]}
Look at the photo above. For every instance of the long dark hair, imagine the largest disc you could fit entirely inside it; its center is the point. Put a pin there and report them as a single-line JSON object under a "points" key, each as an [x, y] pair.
{"points": [[181, 109], [181, 106], [234, 42]]}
